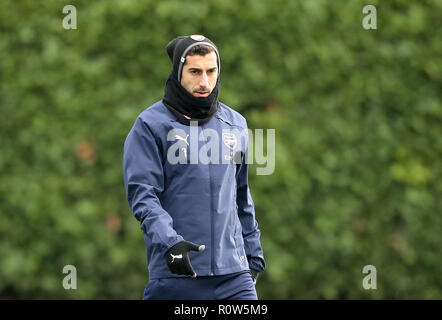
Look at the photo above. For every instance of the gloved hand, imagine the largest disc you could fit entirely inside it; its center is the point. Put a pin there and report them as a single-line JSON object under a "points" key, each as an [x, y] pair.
{"points": [[254, 275], [177, 258]]}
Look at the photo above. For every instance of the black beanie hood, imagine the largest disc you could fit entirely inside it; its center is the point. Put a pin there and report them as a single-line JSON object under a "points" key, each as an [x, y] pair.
{"points": [[177, 99]]}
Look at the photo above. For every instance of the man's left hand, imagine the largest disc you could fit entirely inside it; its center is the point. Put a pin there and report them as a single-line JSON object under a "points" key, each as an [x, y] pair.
{"points": [[254, 275]]}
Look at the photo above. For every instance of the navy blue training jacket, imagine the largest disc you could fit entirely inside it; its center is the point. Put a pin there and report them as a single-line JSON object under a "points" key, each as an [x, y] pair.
{"points": [[206, 203]]}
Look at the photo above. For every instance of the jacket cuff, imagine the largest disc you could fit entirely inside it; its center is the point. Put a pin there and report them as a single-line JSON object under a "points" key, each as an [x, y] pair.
{"points": [[172, 243]]}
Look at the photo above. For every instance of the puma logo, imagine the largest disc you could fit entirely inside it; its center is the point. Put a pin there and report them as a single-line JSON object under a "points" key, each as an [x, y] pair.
{"points": [[180, 256], [182, 139]]}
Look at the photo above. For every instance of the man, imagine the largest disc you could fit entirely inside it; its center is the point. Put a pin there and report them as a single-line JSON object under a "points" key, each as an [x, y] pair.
{"points": [[197, 217]]}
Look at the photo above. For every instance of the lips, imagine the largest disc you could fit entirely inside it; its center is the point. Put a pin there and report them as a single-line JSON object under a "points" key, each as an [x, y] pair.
{"points": [[202, 94]]}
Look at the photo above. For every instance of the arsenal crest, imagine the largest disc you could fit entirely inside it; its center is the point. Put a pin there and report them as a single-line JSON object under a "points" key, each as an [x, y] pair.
{"points": [[229, 140]]}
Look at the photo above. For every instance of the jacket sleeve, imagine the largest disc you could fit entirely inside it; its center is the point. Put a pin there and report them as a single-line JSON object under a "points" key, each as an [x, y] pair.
{"points": [[246, 213], [144, 181]]}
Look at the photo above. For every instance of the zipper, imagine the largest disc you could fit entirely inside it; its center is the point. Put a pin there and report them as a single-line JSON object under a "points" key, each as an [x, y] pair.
{"points": [[212, 262], [212, 239]]}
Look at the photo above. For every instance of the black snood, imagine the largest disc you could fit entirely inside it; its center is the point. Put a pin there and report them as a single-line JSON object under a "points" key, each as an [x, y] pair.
{"points": [[177, 99]]}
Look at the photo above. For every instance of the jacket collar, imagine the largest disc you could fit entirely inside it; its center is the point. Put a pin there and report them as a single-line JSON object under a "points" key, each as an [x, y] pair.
{"points": [[220, 114]]}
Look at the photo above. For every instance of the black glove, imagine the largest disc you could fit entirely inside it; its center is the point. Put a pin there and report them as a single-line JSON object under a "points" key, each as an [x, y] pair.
{"points": [[254, 275], [177, 258]]}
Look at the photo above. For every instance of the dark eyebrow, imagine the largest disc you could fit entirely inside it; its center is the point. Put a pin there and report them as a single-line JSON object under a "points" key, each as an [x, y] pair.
{"points": [[198, 69]]}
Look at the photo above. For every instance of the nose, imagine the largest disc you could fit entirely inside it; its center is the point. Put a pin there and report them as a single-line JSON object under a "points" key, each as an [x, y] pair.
{"points": [[204, 81]]}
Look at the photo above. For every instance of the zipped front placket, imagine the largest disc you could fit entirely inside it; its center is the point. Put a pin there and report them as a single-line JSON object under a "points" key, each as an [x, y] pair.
{"points": [[212, 262], [212, 243]]}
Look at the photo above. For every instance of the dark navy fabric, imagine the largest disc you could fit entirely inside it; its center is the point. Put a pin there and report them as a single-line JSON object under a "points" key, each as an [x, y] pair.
{"points": [[235, 286], [207, 204]]}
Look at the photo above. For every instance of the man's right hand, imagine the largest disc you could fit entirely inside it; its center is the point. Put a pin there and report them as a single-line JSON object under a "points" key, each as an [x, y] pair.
{"points": [[177, 258]]}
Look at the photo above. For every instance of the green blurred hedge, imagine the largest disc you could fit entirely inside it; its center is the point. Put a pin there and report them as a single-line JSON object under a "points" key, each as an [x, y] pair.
{"points": [[358, 121]]}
